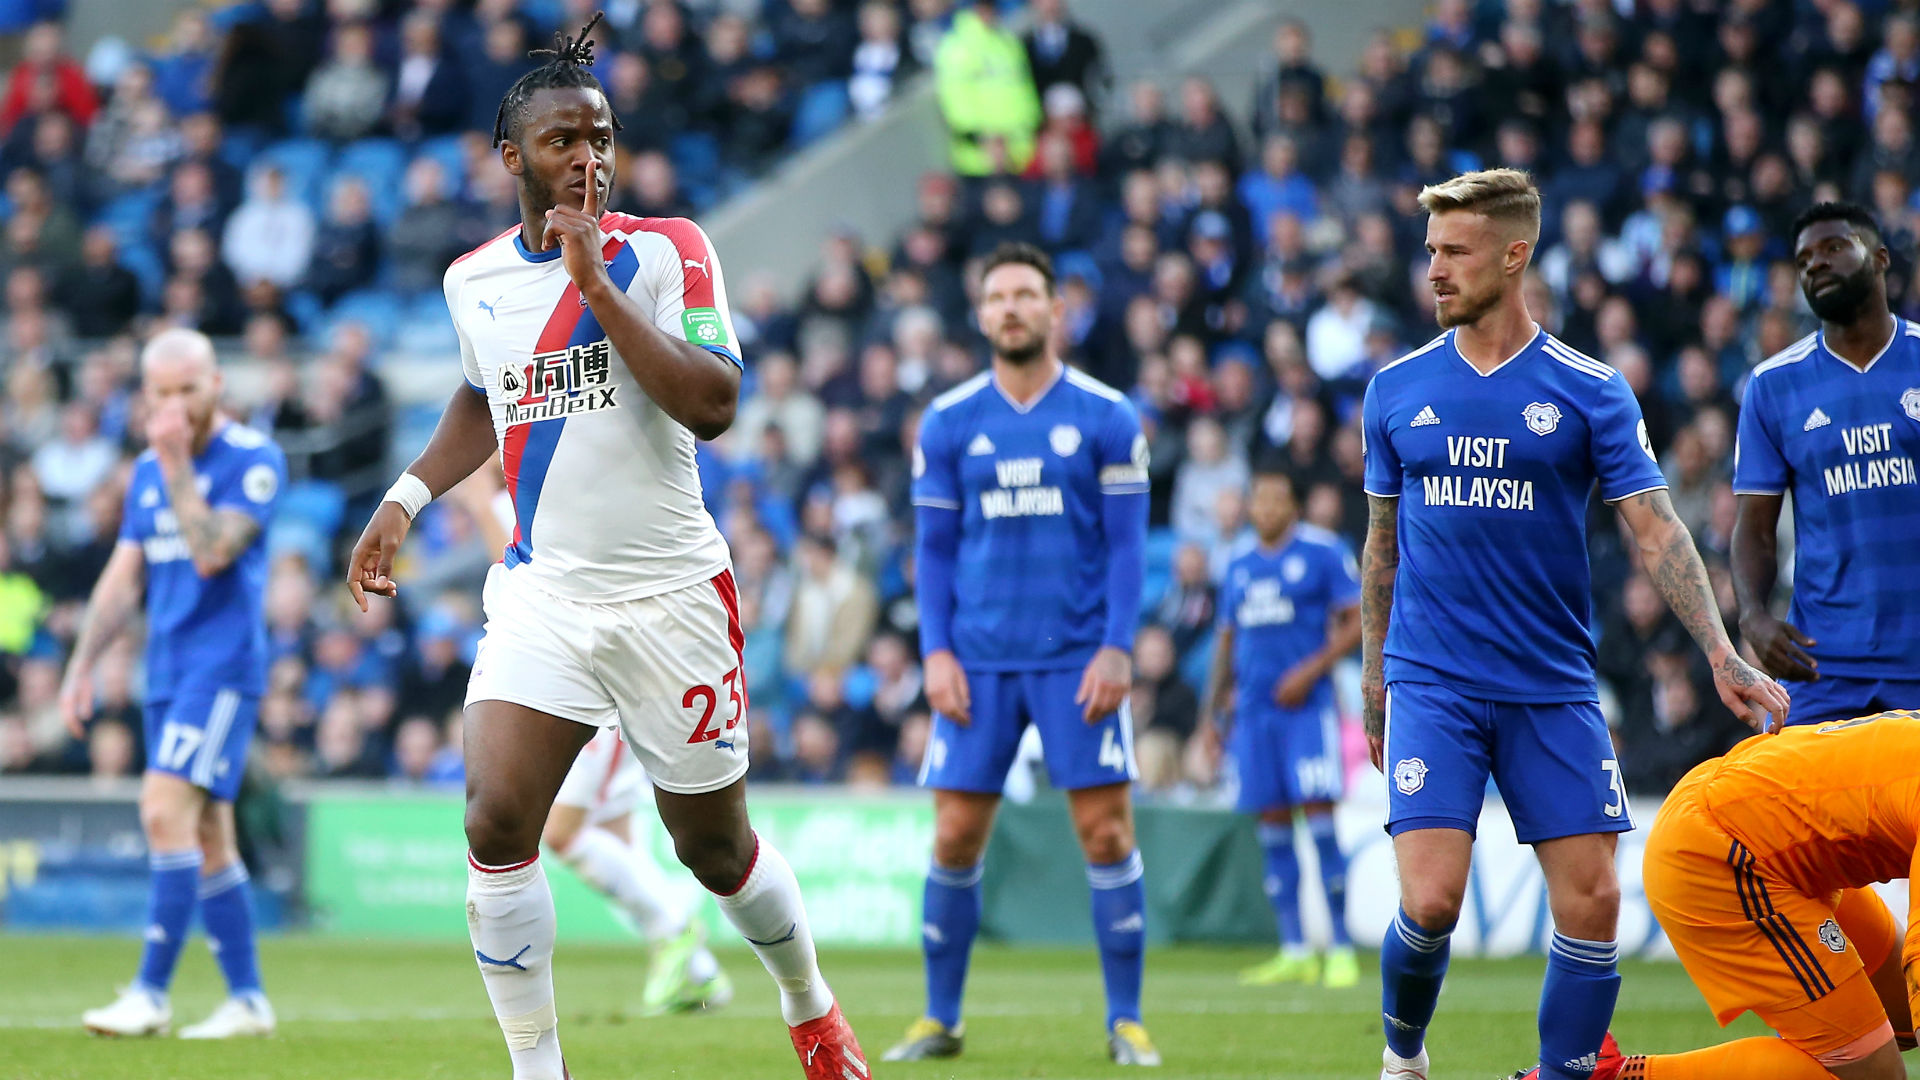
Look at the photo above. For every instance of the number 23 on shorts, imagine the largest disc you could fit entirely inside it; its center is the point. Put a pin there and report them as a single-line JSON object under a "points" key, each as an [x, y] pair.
{"points": [[707, 699]]}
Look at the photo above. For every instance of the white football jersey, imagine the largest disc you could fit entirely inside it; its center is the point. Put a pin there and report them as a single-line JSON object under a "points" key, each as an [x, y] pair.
{"points": [[606, 497]]}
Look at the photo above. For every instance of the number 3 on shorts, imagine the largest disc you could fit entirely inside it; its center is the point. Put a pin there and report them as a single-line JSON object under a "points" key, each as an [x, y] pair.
{"points": [[1619, 804], [704, 731]]}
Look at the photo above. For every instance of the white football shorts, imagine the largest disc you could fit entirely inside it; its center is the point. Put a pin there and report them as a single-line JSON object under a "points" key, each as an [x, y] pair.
{"points": [[665, 669], [606, 780]]}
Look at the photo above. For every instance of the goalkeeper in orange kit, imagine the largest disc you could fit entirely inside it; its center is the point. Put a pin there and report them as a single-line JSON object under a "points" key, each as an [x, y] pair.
{"points": [[1758, 868]]}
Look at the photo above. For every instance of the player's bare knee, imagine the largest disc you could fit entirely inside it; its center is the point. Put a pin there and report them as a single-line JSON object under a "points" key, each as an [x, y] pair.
{"points": [[959, 837], [1588, 908], [1106, 839], [718, 860], [169, 823], [1432, 906], [497, 832]]}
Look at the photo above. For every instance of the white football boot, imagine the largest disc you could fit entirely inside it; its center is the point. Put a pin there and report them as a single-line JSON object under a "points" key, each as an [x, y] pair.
{"points": [[136, 1012]]}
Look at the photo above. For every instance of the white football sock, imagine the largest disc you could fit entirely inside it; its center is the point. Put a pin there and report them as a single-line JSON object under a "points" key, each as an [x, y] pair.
{"points": [[510, 918], [608, 864], [767, 911]]}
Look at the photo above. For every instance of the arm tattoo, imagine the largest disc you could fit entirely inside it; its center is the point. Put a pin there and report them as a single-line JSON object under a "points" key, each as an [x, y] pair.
{"points": [[215, 537], [1674, 566], [1379, 563]]}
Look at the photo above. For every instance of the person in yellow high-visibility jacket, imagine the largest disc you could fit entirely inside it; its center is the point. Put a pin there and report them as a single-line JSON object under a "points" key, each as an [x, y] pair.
{"points": [[986, 93]]}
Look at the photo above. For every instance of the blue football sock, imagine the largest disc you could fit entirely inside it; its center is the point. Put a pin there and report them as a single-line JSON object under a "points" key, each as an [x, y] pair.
{"points": [[1333, 873], [170, 895], [950, 919], [226, 910], [1120, 926], [1413, 964], [1576, 1005], [1282, 882]]}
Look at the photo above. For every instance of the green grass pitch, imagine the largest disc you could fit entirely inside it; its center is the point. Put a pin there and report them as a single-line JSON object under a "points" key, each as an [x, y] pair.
{"points": [[353, 1010]]}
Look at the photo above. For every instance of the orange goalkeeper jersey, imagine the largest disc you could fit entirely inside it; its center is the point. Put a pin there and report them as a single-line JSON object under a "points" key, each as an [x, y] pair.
{"points": [[1825, 807]]}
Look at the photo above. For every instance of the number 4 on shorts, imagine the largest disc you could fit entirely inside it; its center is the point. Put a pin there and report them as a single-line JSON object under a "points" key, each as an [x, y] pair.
{"points": [[1111, 755]]}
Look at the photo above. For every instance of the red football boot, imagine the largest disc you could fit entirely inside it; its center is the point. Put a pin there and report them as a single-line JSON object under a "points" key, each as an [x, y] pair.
{"points": [[828, 1050]]}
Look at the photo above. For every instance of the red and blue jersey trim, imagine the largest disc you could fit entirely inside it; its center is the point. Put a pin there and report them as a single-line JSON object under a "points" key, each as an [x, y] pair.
{"points": [[527, 453]]}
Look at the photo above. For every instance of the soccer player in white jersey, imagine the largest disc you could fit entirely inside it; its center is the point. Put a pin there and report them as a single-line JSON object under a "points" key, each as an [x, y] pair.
{"points": [[597, 348], [590, 827]]}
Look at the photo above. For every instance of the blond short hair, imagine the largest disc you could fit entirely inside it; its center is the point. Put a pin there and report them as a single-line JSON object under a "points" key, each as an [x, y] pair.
{"points": [[1503, 195]]}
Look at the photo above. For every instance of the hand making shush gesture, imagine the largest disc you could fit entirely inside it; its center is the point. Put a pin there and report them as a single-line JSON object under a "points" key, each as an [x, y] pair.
{"points": [[578, 234]]}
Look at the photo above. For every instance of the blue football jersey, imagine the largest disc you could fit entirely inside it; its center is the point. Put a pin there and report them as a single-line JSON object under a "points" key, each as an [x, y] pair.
{"points": [[206, 632], [1278, 602], [1493, 474], [1844, 442], [1030, 580]]}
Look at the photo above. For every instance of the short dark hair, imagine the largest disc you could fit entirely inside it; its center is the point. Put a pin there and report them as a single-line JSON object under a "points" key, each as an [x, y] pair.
{"points": [[1016, 253], [1862, 220], [1268, 472], [567, 68]]}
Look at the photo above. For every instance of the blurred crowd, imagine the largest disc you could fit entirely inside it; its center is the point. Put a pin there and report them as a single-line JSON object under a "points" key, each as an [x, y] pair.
{"points": [[1240, 269]]}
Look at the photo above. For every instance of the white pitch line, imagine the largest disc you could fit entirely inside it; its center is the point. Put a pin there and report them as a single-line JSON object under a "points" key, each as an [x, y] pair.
{"points": [[361, 1016]]}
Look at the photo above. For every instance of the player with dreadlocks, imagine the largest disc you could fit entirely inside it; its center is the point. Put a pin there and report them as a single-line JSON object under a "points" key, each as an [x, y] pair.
{"points": [[597, 348]]}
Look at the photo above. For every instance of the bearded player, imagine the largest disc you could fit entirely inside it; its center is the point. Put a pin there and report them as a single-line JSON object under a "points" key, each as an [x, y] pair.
{"points": [[1835, 419], [1482, 449], [1030, 497], [597, 348]]}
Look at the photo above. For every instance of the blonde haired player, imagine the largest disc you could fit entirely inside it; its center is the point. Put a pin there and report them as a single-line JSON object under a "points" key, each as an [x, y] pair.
{"points": [[1482, 448], [590, 827]]}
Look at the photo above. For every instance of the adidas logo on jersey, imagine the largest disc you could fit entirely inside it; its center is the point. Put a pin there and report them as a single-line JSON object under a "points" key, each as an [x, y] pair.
{"points": [[980, 446], [1425, 418], [1816, 419]]}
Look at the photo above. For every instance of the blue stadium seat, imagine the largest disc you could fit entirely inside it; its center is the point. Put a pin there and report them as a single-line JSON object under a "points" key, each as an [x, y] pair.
{"points": [[823, 108], [316, 504], [381, 313], [696, 155], [452, 156], [425, 329], [305, 163], [307, 310], [380, 164], [1159, 558]]}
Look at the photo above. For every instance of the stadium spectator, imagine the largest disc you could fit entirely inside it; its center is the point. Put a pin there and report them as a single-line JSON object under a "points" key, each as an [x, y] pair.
{"points": [[881, 61], [431, 233], [1062, 52], [429, 89], [833, 610], [346, 250], [270, 235], [347, 96], [987, 96], [46, 79]]}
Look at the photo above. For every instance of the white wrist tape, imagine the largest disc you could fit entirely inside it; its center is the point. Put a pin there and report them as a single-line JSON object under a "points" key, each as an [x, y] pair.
{"points": [[411, 493]]}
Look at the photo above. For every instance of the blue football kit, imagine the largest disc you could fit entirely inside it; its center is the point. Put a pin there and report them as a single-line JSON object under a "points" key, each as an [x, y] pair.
{"points": [[1031, 523], [1278, 602], [1489, 658], [1843, 441], [206, 658], [1049, 501]]}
